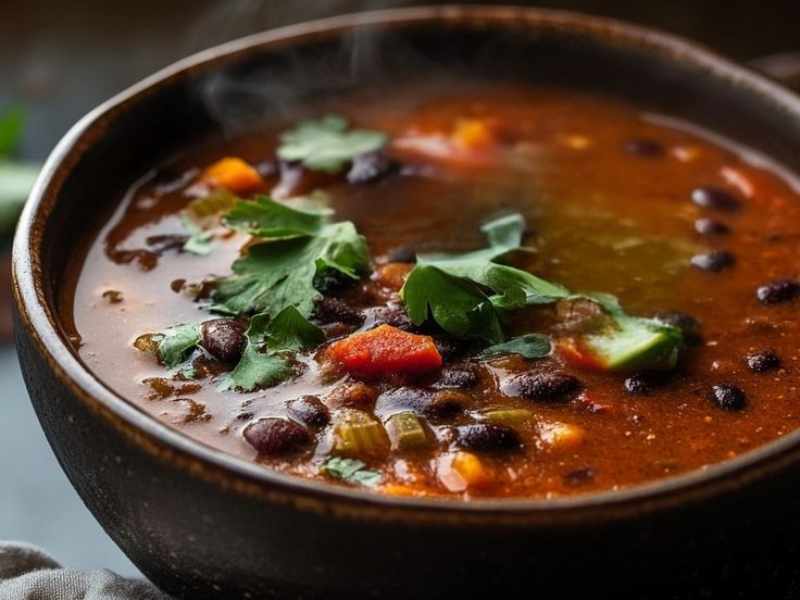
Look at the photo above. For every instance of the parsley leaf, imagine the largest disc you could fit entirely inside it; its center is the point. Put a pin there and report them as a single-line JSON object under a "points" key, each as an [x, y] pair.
{"points": [[326, 144], [177, 342], [530, 346], [16, 178], [265, 360], [279, 272], [351, 470], [199, 241]]}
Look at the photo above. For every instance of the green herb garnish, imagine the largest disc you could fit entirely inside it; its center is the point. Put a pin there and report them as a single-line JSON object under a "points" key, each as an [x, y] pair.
{"points": [[351, 470], [327, 144], [176, 343], [200, 240], [266, 357], [279, 272], [469, 296]]}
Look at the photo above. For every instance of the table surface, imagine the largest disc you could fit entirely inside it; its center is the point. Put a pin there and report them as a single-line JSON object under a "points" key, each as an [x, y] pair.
{"points": [[60, 59]]}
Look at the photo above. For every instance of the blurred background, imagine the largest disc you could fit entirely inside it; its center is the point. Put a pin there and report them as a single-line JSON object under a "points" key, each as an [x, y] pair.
{"points": [[59, 59]]}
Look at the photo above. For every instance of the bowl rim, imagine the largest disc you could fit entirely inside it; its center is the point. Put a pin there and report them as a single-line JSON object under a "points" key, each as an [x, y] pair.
{"points": [[41, 324]]}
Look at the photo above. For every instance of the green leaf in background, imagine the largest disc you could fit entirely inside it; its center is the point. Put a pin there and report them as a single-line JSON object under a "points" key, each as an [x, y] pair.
{"points": [[327, 144], [351, 470], [12, 123], [530, 346]]}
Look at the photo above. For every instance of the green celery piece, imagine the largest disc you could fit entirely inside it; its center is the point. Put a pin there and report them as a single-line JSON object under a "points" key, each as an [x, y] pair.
{"points": [[277, 274], [177, 342], [530, 346], [265, 360], [357, 434], [265, 218], [511, 417], [351, 470], [16, 182], [327, 144], [406, 432]]}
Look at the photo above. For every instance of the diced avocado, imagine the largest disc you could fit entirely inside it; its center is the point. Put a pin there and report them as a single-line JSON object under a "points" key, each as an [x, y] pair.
{"points": [[635, 344]]}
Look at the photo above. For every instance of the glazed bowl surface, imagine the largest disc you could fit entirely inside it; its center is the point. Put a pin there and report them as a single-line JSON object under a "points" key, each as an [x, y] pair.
{"points": [[201, 523]]}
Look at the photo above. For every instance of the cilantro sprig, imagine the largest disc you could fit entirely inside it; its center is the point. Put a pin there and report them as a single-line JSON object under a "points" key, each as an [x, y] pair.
{"points": [[470, 295], [352, 471], [295, 248], [328, 144]]}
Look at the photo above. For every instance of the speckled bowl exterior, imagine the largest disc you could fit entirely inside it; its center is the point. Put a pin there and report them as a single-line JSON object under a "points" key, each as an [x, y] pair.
{"points": [[203, 524]]}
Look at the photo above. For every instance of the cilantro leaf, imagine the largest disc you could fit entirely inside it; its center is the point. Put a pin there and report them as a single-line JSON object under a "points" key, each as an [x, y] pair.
{"points": [[177, 342], [351, 470], [266, 218], [266, 358], [326, 144], [279, 273], [199, 241], [532, 345]]}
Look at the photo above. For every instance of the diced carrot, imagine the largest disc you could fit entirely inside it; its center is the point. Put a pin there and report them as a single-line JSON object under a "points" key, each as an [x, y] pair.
{"points": [[393, 275], [386, 350], [233, 174], [472, 134]]}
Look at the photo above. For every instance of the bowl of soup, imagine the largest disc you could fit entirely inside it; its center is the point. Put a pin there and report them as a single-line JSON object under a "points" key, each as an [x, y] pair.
{"points": [[427, 301]]}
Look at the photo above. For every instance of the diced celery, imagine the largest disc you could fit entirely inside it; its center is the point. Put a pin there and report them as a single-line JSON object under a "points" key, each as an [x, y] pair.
{"points": [[358, 434], [406, 432], [511, 417]]}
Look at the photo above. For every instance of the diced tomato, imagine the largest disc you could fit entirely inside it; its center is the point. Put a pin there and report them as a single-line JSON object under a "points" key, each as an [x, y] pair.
{"points": [[386, 350], [233, 174]]}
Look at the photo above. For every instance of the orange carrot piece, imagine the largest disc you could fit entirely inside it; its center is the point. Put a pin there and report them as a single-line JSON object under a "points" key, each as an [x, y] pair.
{"points": [[393, 275], [386, 350], [233, 174], [472, 134]]}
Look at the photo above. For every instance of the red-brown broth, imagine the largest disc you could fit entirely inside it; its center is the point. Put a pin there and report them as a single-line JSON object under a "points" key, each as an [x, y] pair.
{"points": [[600, 218]]}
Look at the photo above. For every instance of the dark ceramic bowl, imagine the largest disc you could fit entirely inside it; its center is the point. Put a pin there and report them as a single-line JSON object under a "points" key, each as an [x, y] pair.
{"points": [[202, 524]]}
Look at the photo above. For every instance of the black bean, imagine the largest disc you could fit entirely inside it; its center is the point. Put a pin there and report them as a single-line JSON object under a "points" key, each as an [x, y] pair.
{"points": [[462, 376], [714, 261], [309, 410], [689, 326], [370, 167], [276, 436], [761, 362], [579, 477], [446, 404], [715, 198], [486, 437], [711, 227], [223, 338], [644, 147], [449, 347], [637, 384], [333, 310], [392, 314], [781, 290], [403, 254], [166, 242], [728, 397], [545, 387]]}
